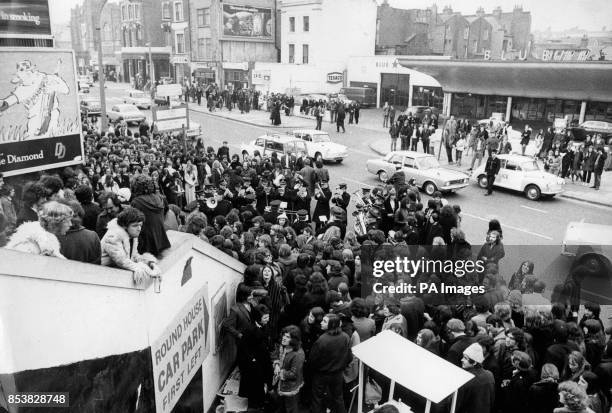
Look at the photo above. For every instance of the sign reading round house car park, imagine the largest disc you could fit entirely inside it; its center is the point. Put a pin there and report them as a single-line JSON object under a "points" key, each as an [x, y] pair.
{"points": [[179, 351], [40, 119], [335, 77]]}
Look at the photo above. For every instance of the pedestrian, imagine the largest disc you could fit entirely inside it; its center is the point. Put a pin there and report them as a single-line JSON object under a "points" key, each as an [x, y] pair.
{"points": [[351, 111], [588, 164], [598, 166], [391, 115], [525, 137], [340, 118], [460, 147], [394, 133], [478, 394], [404, 135], [315, 113], [333, 111], [491, 169], [447, 139], [329, 355], [386, 109], [289, 369], [357, 109]]}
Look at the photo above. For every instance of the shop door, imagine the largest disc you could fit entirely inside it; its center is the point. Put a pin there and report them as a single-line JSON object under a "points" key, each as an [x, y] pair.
{"points": [[395, 89]]}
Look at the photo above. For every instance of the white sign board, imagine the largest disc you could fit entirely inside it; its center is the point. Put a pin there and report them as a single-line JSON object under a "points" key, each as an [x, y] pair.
{"points": [[171, 124], [261, 77], [172, 113], [173, 89], [179, 352]]}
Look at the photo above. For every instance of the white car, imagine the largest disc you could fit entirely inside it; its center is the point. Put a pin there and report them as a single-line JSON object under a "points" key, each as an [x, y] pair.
{"points": [[319, 145], [522, 173], [281, 144], [590, 244], [138, 98], [126, 112]]}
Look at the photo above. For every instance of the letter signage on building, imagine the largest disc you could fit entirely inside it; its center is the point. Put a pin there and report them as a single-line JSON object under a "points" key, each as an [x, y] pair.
{"points": [[40, 120], [180, 350], [246, 21], [25, 17], [335, 77], [261, 77]]}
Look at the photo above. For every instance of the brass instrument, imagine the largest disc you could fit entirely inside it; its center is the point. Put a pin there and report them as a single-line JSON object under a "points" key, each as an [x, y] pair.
{"points": [[360, 214]]}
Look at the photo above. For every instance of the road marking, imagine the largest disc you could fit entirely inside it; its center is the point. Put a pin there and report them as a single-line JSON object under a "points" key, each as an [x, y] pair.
{"points": [[356, 182], [534, 209], [510, 226]]}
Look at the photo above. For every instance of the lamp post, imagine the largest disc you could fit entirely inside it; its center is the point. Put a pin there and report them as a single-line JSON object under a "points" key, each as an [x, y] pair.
{"points": [[151, 72], [103, 119]]}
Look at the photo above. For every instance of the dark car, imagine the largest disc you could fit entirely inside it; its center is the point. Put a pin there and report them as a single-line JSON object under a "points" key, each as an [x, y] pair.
{"points": [[593, 127]]}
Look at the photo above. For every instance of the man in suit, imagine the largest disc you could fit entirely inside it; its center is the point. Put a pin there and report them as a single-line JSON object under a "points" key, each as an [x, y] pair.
{"points": [[598, 168], [239, 320], [308, 176], [223, 151], [492, 169]]}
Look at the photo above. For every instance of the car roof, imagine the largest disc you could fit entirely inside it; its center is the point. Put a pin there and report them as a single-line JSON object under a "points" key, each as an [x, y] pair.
{"points": [[515, 157], [279, 138], [311, 131], [413, 154], [126, 106]]}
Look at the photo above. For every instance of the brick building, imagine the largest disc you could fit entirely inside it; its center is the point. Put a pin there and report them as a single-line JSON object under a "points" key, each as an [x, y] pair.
{"points": [[227, 37], [84, 37], [145, 38]]}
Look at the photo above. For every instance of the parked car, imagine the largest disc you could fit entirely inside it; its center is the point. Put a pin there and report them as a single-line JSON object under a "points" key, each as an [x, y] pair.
{"points": [[523, 174], [591, 245], [85, 80], [429, 175], [593, 127], [419, 111], [90, 105], [138, 98], [281, 144], [126, 112], [319, 145]]}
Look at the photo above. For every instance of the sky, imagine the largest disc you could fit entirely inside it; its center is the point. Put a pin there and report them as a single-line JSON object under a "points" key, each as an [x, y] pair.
{"points": [[559, 15]]}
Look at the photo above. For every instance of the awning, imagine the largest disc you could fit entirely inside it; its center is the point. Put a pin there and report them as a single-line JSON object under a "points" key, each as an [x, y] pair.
{"points": [[411, 366], [587, 81]]}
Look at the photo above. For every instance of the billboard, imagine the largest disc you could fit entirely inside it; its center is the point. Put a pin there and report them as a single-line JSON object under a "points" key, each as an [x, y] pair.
{"points": [[25, 17], [245, 21], [40, 121]]}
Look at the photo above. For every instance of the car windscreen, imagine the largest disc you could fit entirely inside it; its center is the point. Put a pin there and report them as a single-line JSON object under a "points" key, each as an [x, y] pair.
{"points": [[321, 138], [428, 162], [530, 166]]}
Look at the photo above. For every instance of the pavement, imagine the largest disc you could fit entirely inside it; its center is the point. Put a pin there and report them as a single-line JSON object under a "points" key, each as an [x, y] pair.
{"points": [[573, 190]]}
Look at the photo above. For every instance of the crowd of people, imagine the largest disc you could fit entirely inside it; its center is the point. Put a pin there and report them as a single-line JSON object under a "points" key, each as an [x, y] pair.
{"points": [[304, 301]]}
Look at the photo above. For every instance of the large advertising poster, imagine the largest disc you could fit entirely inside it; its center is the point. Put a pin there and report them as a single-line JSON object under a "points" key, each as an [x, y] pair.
{"points": [[25, 17], [40, 122], [245, 21]]}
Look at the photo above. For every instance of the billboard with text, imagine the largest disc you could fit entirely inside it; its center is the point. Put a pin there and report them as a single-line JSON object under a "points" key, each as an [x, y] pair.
{"points": [[246, 21], [40, 122], [25, 17]]}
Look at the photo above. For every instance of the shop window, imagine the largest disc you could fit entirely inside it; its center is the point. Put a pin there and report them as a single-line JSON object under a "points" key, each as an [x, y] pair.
{"points": [[291, 53], [305, 54], [292, 24]]}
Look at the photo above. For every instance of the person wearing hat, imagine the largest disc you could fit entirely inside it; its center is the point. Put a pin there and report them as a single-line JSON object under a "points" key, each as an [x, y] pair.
{"points": [[492, 169], [301, 198], [460, 341], [272, 214], [301, 222], [341, 198], [265, 194], [337, 218], [250, 201], [478, 394], [322, 195]]}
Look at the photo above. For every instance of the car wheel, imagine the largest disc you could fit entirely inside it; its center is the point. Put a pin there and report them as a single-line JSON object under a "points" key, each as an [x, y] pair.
{"points": [[318, 157], [533, 193], [429, 188], [383, 176], [482, 181]]}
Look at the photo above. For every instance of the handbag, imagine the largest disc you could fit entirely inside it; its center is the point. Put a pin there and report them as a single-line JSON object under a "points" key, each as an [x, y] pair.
{"points": [[373, 392]]}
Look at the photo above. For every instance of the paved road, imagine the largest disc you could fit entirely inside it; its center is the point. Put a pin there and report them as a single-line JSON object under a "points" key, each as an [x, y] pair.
{"points": [[532, 230]]}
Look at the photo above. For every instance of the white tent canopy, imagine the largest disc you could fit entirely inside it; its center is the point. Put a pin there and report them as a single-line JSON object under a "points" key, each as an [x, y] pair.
{"points": [[410, 365]]}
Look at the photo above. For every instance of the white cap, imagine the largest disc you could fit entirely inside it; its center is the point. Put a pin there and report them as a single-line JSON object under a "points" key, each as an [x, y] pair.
{"points": [[474, 353]]}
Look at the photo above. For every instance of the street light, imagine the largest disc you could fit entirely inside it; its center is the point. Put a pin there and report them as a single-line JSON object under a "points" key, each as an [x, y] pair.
{"points": [[103, 119], [151, 72]]}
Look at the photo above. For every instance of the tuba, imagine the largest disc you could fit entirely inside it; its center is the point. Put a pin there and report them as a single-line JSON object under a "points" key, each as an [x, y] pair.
{"points": [[360, 213]]}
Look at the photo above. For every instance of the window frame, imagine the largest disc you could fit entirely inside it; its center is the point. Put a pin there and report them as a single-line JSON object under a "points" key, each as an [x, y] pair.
{"points": [[291, 54], [176, 9], [305, 54], [292, 24], [177, 43], [306, 23]]}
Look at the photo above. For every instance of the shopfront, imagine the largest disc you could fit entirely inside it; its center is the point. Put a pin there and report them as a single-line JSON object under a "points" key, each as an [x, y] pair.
{"points": [[533, 93], [136, 64], [398, 85], [236, 75]]}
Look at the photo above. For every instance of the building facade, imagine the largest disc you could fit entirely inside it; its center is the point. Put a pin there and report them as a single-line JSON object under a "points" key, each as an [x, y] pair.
{"points": [[84, 21], [495, 35], [145, 38], [228, 37], [311, 33], [176, 15]]}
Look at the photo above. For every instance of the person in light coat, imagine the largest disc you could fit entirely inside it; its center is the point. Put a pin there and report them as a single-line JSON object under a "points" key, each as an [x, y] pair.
{"points": [[120, 246]]}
